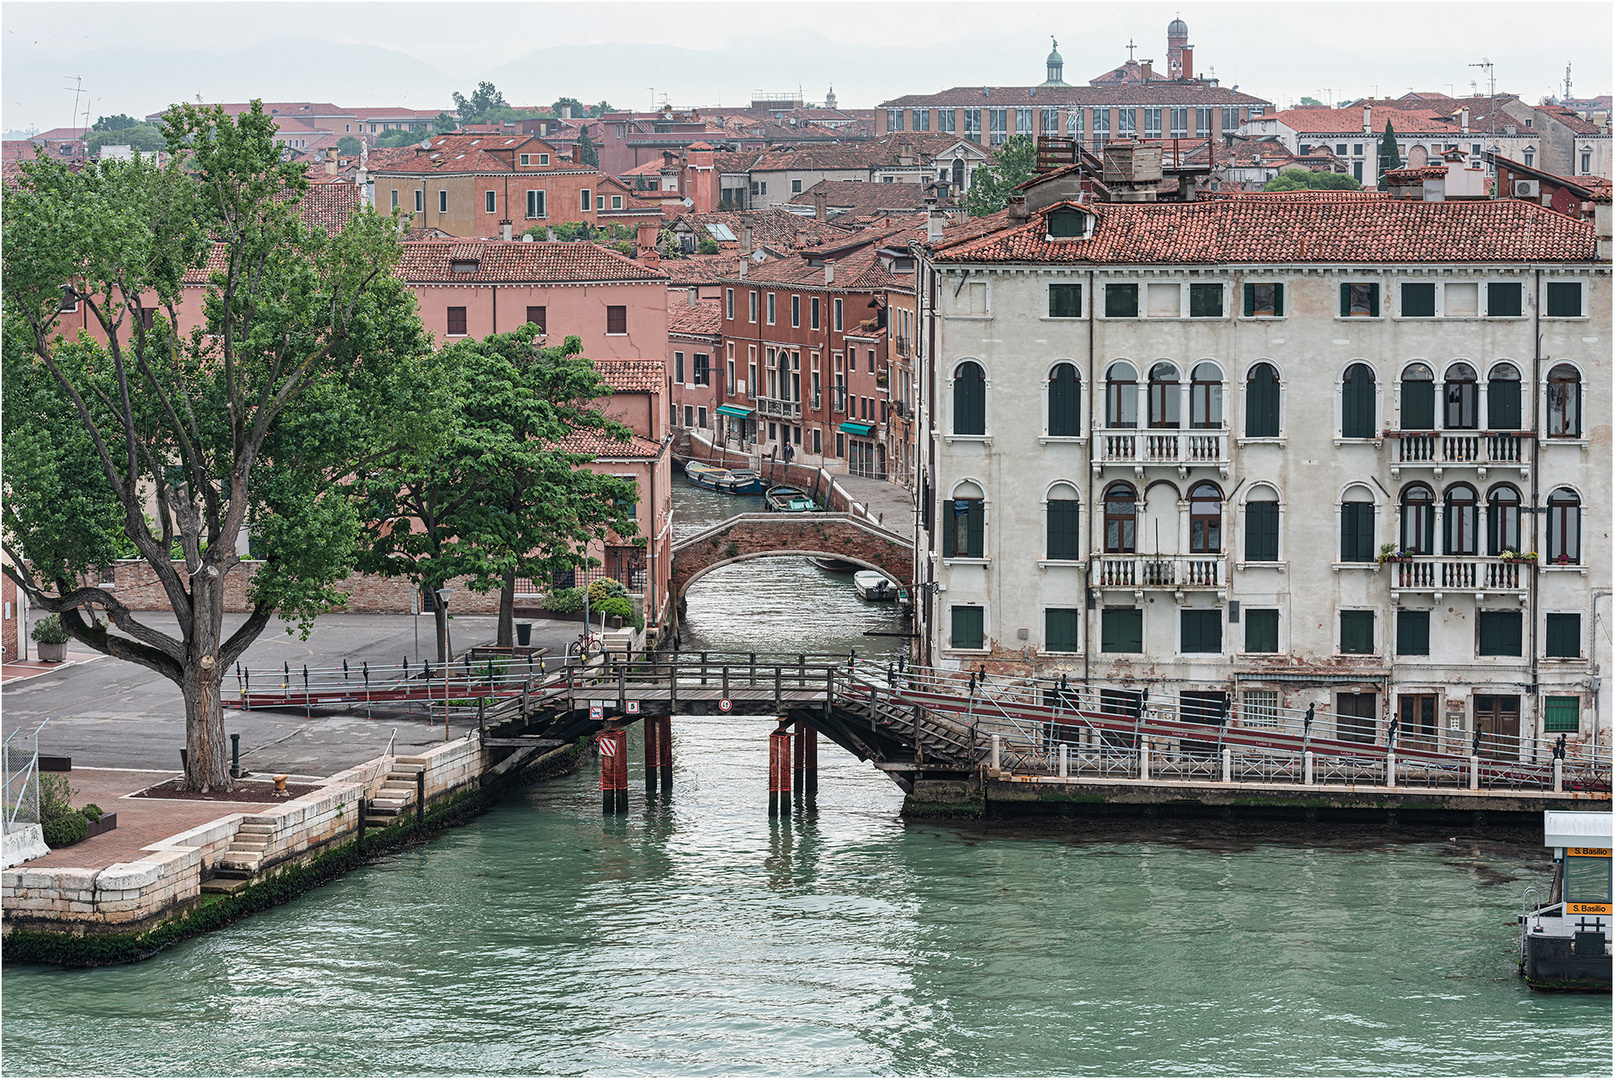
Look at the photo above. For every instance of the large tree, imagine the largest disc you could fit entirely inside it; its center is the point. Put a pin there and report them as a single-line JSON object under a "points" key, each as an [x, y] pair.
{"points": [[991, 186], [1308, 180], [230, 377], [503, 493], [587, 153], [1389, 156]]}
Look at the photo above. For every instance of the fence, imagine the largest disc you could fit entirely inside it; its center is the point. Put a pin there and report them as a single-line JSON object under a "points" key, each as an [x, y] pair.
{"points": [[21, 754]]}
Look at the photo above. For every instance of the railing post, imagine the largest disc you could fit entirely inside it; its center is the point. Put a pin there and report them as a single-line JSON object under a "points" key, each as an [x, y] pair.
{"points": [[1143, 759], [1065, 761], [1390, 770], [1474, 772], [1558, 774], [997, 747], [1306, 768], [726, 680], [1227, 765]]}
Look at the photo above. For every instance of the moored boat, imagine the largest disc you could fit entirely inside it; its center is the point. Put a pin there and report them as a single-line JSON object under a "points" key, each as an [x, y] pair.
{"points": [[1565, 943], [743, 482], [832, 566], [789, 500], [707, 476], [873, 585]]}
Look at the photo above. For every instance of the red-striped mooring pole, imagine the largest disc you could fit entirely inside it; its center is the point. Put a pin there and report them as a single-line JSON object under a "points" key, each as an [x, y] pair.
{"points": [[666, 754], [613, 751], [779, 771]]}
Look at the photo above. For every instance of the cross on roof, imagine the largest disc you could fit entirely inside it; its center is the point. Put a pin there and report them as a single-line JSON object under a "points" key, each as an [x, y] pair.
{"points": [[1130, 48]]}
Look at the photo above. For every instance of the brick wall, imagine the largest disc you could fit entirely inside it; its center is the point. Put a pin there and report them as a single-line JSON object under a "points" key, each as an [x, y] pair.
{"points": [[137, 586]]}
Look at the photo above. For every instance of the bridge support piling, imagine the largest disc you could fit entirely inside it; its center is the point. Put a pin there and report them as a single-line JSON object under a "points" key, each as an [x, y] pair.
{"points": [[665, 756], [613, 759], [653, 753], [799, 757], [779, 771], [810, 762]]}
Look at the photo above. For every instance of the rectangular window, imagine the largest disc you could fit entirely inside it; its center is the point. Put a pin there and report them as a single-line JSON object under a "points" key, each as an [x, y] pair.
{"points": [[999, 121], [751, 305], [456, 322], [835, 313], [894, 119], [420, 201], [1360, 300], [1261, 630], [1152, 123], [535, 204], [1023, 121], [1564, 636], [1201, 631], [537, 316], [972, 118], [678, 367], [796, 311], [1564, 299], [770, 309], [1205, 301], [1126, 122], [1061, 629], [616, 319], [944, 120], [1259, 708], [689, 415], [922, 119], [1065, 301], [1073, 123], [1357, 532], [490, 200], [1202, 119], [395, 199], [442, 202], [616, 202], [701, 415], [1121, 301], [1050, 121], [1418, 299], [1261, 532], [1121, 630], [1413, 633], [1101, 124], [1503, 299], [1357, 632], [1064, 541], [967, 627], [1500, 633], [729, 304], [527, 159], [796, 187], [1180, 122], [1264, 300], [1561, 714], [964, 531], [813, 312], [702, 365], [585, 199], [543, 159], [1230, 119]]}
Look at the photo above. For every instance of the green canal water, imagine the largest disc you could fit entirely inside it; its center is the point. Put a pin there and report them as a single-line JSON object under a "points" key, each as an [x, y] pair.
{"points": [[697, 937]]}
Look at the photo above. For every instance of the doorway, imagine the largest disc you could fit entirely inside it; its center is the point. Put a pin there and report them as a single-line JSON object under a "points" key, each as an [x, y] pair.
{"points": [[1356, 718], [1416, 721], [1497, 723]]}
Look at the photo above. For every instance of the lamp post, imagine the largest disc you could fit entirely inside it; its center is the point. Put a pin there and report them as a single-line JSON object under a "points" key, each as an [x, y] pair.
{"points": [[443, 603]]}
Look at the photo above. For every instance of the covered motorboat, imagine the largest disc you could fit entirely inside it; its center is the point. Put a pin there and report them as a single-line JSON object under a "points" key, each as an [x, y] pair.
{"points": [[1565, 943]]}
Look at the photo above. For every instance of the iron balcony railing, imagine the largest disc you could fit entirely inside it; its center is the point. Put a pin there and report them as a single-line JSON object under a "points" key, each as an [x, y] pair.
{"points": [[779, 407]]}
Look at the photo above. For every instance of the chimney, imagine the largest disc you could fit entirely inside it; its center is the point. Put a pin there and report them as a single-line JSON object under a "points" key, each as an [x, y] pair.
{"points": [[743, 261], [1368, 119], [549, 233], [820, 201], [646, 236], [829, 271], [1144, 69], [1017, 207], [1601, 227], [566, 112], [745, 238], [935, 219], [1463, 119], [504, 230], [1187, 52], [692, 295]]}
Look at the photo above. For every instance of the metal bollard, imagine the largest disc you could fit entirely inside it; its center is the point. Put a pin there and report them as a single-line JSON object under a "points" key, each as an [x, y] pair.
{"points": [[1390, 770], [1474, 772], [235, 755], [1558, 774], [1143, 761], [1306, 768], [1227, 765], [1065, 760], [996, 747]]}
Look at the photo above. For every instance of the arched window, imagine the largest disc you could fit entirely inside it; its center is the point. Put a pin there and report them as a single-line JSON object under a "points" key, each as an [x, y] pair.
{"points": [[1418, 520], [1564, 526], [1262, 402], [1461, 399], [1262, 525], [1205, 519], [1564, 402], [964, 522], [958, 174], [1418, 398], [1065, 393], [1064, 539], [1205, 397], [969, 399], [1463, 520], [1121, 395], [1502, 521], [1503, 398], [1165, 399], [1357, 404], [1121, 518], [1357, 526]]}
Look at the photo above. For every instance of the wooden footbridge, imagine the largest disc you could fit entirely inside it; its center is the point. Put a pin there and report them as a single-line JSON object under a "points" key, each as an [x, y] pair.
{"points": [[952, 735]]}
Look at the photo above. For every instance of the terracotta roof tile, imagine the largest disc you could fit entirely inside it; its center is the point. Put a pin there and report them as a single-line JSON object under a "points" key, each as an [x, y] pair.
{"points": [[525, 261], [1155, 93], [1350, 121], [632, 376], [860, 198], [599, 445], [702, 318]]}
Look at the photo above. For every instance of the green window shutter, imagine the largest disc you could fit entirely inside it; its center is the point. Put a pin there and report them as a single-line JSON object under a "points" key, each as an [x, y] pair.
{"points": [[1503, 299], [1121, 301], [977, 520], [1564, 299], [1418, 300], [1121, 630], [1357, 632], [948, 527], [1345, 300], [1503, 404], [1261, 532], [1065, 301], [1065, 412], [1064, 541], [1561, 714], [1250, 300], [969, 401], [1357, 532], [1262, 403], [1373, 300], [1418, 405], [1261, 630], [1205, 301], [1278, 299], [1413, 633], [1201, 631], [1500, 633], [1564, 635], [967, 627], [1357, 403], [1060, 628]]}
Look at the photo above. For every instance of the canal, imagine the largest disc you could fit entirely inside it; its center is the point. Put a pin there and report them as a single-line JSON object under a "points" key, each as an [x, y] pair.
{"points": [[697, 937]]}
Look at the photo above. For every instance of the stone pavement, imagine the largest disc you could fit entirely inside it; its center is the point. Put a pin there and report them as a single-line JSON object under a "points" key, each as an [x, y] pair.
{"points": [[890, 505], [13, 670]]}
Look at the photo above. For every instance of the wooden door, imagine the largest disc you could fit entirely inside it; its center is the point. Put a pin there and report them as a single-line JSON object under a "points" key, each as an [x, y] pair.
{"points": [[1357, 718], [1497, 721], [1416, 721]]}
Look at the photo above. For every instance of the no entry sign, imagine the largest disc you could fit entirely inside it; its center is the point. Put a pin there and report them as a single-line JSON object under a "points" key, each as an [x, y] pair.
{"points": [[724, 705]]}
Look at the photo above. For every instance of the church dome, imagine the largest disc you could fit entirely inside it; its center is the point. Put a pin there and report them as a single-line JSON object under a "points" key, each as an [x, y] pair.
{"points": [[1177, 28], [1054, 56]]}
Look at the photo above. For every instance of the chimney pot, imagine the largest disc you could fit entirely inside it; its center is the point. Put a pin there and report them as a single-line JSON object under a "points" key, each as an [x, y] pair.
{"points": [[504, 230], [829, 271]]}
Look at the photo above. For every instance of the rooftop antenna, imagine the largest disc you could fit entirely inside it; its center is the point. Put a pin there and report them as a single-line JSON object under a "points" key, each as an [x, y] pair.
{"points": [[77, 88], [1567, 80], [1491, 91]]}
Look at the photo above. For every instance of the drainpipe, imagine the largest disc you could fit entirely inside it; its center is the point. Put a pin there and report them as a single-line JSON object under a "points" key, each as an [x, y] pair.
{"points": [[1536, 479], [1093, 448]]}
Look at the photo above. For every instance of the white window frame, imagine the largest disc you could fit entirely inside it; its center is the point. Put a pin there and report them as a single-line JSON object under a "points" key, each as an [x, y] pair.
{"points": [[490, 202], [586, 200], [537, 208], [442, 201]]}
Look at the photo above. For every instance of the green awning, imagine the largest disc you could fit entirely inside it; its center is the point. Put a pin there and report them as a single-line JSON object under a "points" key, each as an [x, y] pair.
{"points": [[735, 410], [854, 428]]}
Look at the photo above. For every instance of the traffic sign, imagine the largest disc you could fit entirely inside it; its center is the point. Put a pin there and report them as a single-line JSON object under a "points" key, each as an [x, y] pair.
{"points": [[597, 712], [633, 708], [724, 705]]}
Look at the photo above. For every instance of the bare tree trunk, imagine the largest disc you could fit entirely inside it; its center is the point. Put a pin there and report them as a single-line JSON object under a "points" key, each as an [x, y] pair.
{"points": [[440, 620], [507, 611], [208, 764]]}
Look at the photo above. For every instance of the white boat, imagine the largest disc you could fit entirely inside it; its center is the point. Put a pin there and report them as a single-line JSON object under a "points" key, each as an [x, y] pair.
{"points": [[873, 585], [1565, 943]]}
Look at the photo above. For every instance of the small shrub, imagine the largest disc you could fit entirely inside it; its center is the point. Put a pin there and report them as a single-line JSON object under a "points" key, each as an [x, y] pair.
{"points": [[91, 812], [731, 549], [620, 606], [604, 589], [639, 619], [55, 796], [564, 601], [70, 828], [48, 631]]}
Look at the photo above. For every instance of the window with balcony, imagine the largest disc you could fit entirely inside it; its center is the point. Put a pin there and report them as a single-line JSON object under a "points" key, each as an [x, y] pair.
{"points": [[969, 399], [1412, 633], [1564, 527], [1064, 537], [967, 627], [1262, 526], [1460, 399], [1261, 630], [1121, 630], [1121, 395], [1357, 527], [1418, 398], [1262, 402], [1205, 519], [1121, 519], [1357, 404], [1502, 520], [1462, 520], [1205, 397], [1564, 402], [1503, 398], [1200, 630], [1165, 399], [1418, 520], [1065, 401], [1500, 633]]}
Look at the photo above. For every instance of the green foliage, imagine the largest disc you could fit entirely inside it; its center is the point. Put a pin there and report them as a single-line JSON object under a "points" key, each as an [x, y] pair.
{"points": [[65, 830], [145, 138], [115, 123], [604, 589], [991, 187], [1389, 156], [564, 601], [444, 123], [1312, 103], [91, 811], [61, 824], [580, 110], [707, 246], [484, 100], [48, 631], [348, 146], [619, 606], [399, 137], [587, 153], [1306, 179]]}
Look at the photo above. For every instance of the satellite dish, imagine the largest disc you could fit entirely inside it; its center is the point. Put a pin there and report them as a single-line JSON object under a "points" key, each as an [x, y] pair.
{"points": [[426, 144], [758, 255], [527, 238], [687, 202]]}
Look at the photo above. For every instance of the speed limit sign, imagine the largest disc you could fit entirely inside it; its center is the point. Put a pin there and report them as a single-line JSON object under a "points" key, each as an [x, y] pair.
{"points": [[724, 705]]}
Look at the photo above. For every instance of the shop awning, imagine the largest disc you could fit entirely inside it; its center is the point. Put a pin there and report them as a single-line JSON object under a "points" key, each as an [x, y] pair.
{"points": [[735, 410], [853, 428]]}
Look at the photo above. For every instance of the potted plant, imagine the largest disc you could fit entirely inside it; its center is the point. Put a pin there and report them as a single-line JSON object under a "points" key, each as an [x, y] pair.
{"points": [[51, 639]]}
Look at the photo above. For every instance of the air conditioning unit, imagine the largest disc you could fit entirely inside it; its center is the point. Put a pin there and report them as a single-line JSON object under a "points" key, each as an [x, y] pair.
{"points": [[1527, 189]]}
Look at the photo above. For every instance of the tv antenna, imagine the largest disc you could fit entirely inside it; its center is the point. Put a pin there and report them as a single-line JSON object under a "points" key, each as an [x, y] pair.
{"points": [[78, 90], [1567, 80], [1491, 91]]}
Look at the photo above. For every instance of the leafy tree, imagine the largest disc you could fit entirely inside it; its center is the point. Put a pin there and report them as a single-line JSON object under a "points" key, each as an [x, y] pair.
{"points": [[1312, 103], [1306, 179], [1389, 156], [498, 497], [444, 124], [990, 187], [475, 109], [580, 110], [145, 138], [587, 154], [243, 414], [348, 146], [707, 246], [115, 123], [400, 137]]}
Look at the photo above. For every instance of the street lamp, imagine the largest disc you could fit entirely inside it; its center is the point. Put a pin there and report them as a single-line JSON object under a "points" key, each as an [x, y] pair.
{"points": [[443, 603]]}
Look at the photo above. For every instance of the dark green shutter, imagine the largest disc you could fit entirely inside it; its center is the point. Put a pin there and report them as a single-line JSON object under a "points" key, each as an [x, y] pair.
{"points": [[1064, 540], [1561, 714], [1065, 301], [1564, 635], [967, 624], [1564, 299], [1418, 300], [945, 517], [1261, 630], [1205, 301], [1201, 631], [1250, 300], [1262, 403], [969, 401], [1357, 404], [1345, 300], [976, 521], [1278, 299], [1060, 627], [1413, 633], [1121, 630], [1503, 404], [1357, 632], [1373, 300], [1357, 532], [1121, 301], [1065, 412], [1500, 633], [1261, 531], [1418, 404], [1503, 299]]}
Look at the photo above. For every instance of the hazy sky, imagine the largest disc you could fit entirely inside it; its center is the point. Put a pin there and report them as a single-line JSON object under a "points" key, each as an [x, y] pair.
{"points": [[138, 57]]}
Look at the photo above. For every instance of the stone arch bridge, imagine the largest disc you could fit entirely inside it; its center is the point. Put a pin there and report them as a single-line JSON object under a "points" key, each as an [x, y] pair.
{"points": [[755, 536]]}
